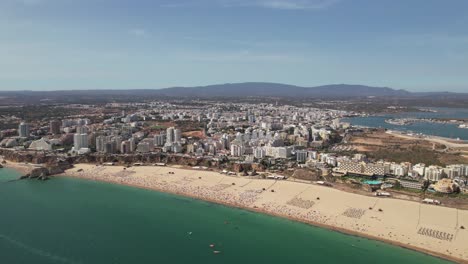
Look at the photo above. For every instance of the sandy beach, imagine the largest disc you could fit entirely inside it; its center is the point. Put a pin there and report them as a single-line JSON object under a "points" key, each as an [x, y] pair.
{"points": [[20, 167], [435, 230]]}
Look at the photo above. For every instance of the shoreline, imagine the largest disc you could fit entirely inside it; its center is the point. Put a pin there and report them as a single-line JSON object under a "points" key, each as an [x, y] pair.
{"points": [[119, 180], [19, 167], [311, 223], [72, 173], [441, 139], [448, 142]]}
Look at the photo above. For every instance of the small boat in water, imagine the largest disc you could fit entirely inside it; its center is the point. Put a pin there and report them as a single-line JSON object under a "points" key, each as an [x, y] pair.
{"points": [[216, 252]]}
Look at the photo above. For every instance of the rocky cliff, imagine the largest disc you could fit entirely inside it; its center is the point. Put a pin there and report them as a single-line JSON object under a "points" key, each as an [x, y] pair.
{"points": [[62, 162]]}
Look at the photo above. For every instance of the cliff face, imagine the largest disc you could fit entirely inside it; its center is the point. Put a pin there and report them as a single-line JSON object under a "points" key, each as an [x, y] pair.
{"points": [[146, 158], [51, 159], [30, 157], [63, 162], [43, 173], [306, 175]]}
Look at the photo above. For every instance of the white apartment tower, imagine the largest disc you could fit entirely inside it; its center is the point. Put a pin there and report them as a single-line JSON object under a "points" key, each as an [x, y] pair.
{"points": [[81, 130], [159, 140], [259, 152], [23, 130], [237, 150], [170, 135], [177, 135], [301, 156], [80, 141]]}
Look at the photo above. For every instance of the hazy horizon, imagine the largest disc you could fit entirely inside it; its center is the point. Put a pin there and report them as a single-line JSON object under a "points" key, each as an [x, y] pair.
{"points": [[195, 86], [418, 46]]}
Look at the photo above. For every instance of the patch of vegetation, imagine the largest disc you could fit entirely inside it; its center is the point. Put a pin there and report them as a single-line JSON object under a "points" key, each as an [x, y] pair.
{"points": [[413, 154], [158, 127]]}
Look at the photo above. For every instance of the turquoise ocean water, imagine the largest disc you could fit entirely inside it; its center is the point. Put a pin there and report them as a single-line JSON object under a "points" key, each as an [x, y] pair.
{"points": [[67, 220]]}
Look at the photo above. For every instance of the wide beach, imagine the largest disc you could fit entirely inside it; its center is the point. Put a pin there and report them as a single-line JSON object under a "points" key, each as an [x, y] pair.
{"points": [[432, 229]]}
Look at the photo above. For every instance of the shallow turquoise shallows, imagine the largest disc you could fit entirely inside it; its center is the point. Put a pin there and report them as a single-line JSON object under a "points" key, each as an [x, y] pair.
{"points": [[68, 220]]}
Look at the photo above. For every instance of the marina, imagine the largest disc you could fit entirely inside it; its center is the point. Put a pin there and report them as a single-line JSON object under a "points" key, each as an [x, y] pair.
{"points": [[430, 123]]}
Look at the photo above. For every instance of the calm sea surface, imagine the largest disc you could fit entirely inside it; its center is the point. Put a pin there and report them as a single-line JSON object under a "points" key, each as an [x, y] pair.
{"points": [[68, 220], [442, 130]]}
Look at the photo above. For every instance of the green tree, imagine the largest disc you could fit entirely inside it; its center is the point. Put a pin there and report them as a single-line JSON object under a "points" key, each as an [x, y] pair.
{"points": [[426, 184]]}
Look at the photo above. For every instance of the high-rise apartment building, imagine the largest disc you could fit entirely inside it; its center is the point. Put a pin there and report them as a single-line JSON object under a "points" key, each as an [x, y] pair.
{"points": [[80, 141], [23, 130]]}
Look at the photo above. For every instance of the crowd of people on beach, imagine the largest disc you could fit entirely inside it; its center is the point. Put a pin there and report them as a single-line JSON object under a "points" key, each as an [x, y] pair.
{"points": [[435, 234], [235, 192], [354, 212], [182, 185], [227, 193], [299, 202]]}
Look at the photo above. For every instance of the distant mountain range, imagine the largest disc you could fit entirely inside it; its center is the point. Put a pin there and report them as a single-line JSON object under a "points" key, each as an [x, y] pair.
{"points": [[281, 90], [231, 90]]}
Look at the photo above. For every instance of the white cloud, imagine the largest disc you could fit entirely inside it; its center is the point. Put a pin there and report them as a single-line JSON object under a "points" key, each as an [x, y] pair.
{"points": [[139, 32], [271, 4]]}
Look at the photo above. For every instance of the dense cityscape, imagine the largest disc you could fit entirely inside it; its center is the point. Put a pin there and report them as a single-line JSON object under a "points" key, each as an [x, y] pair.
{"points": [[233, 131], [244, 139]]}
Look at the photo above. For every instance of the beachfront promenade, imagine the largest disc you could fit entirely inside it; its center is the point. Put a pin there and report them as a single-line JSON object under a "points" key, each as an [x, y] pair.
{"points": [[424, 227]]}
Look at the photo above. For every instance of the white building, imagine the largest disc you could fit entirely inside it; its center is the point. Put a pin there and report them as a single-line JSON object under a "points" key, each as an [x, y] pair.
{"points": [[23, 130], [125, 147], [374, 168], [177, 135], [456, 170], [143, 147], [146, 145], [101, 143], [279, 152], [284, 152], [81, 130], [433, 173], [301, 156], [80, 141], [177, 147], [237, 150], [41, 144], [132, 144], [419, 169], [259, 152], [159, 140], [351, 166], [399, 170], [170, 138], [108, 144], [313, 155]]}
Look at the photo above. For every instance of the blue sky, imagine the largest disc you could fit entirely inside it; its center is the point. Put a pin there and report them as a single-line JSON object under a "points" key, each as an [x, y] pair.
{"points": [[419, 45]]}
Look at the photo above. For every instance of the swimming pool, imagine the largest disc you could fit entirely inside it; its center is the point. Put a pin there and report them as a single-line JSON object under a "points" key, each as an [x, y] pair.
{"points": [[372, 182]]}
